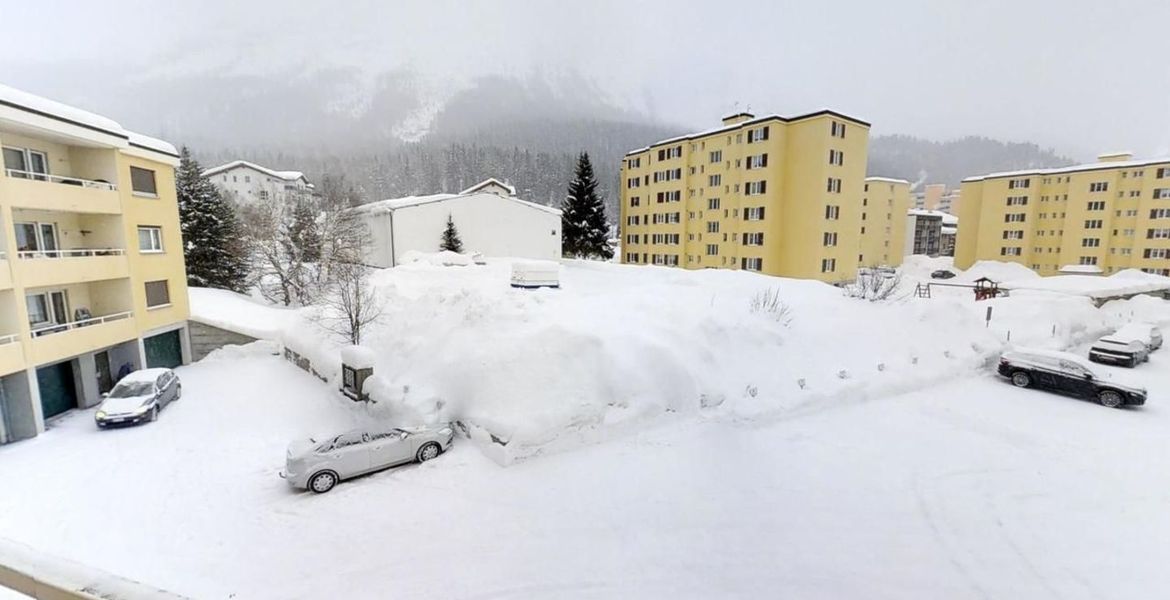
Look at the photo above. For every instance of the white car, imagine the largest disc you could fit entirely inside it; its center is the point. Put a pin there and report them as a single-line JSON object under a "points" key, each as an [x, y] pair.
{"points": [[319, 465], [1146, 333]]}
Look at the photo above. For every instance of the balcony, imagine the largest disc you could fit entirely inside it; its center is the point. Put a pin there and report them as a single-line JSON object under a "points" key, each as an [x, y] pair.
{"points": [[11, 354], [39, 268], [62, 193], [62, 340]]}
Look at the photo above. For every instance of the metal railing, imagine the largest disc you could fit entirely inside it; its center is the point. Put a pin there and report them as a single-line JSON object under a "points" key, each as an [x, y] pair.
{"points": [[59, 327], [87, 183], [71, 253], [9, 339]]}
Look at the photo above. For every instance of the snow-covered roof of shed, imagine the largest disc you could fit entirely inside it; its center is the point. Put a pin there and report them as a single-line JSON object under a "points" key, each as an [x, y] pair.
{"points": [[1096, 166], [393, 204], [52, 109], [285, 175]]}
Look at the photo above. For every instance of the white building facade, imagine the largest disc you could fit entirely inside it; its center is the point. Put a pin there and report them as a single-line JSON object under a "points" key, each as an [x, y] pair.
{"points": [[489, 217], [249, 183]]}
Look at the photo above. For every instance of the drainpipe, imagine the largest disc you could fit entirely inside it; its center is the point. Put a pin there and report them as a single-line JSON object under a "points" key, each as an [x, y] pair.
{"points": [[393, 256]]}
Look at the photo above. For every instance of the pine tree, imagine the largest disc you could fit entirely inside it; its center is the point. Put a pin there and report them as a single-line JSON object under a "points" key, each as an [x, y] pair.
{"points": [[213, 246], [450, 240], [303, 235], [584, 228]]}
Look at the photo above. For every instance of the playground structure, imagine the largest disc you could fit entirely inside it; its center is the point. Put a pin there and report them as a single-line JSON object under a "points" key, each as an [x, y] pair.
{"points": [[983, 288]]}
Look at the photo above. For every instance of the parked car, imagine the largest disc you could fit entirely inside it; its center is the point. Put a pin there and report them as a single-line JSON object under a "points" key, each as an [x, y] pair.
{"points": [[1147, 333], [1066, 374], [1117, 349], [138, 397], [318, 466], [942, 274]]}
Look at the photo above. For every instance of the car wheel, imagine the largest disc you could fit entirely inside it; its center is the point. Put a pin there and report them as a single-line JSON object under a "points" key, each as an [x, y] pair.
{"points": [[1109, 399], [428, 451], [1021, 379], [322, 482], [154, 414]]}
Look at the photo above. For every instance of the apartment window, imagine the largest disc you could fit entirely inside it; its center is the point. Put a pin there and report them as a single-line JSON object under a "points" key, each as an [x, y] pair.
{"points": [[837, 130], [635, 200], [142, 181], [1161, 193], [158, 293], [1011, 251], [833, 213], [1163, 172], [712, 204], [28, 164], [714, 180], [1098, 205], [1160, 213], [669, 153], [47, 308], [1156, 253], [1094, 224], [755, 188], [834, 185], [828, 265], [633, 182], [757, 135], [1016, 184], [758, 161], [149, 239], [37, 239], [1088, 260], [1091, 242], [1017, 201], [716, 156], [634, 163], [829, 238], [1099, 186], [712, 250], [1014, 234], [753, 239], [1158, 234], [752, 264], [753, 213], [1014, 217], [712, 226], [836, 157]]}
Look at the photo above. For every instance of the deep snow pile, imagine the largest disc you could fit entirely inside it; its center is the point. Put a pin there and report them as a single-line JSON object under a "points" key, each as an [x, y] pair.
{"points": [[527, 370], [239, 313]]}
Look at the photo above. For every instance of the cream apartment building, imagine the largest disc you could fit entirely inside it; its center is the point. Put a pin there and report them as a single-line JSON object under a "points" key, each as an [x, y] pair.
{"points": [[92, 280], [883, 221]]}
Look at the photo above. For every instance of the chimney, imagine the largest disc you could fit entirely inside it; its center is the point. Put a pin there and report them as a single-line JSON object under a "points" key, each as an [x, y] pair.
{"points": [[1115, 157], [738, 118]]}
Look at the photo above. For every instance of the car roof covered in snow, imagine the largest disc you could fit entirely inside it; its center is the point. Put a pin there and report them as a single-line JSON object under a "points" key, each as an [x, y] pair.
{"points": [[143, 375], [1031, 353]]}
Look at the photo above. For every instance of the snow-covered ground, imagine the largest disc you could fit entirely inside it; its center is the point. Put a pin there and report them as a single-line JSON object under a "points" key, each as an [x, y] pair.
{"points": [[672, 450]]}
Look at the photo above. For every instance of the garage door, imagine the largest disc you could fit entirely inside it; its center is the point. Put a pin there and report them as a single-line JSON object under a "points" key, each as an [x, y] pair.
{"points": [[164, 350], [57, 391]]}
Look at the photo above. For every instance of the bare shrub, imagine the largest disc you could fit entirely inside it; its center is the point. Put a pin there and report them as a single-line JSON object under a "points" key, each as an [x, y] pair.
{"points": [[874, 285], [768, 302]]}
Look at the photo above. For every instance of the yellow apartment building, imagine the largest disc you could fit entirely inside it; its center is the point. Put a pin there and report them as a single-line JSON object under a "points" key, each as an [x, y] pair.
{"points": [[883, 221], [92, 280], [777, 195], [1113, 214]]}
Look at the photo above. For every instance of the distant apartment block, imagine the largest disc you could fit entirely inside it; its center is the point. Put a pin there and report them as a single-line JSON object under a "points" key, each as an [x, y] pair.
{"points": [[883, 221], [248, 183], [92, 280], [777, 195], [1113, 214], [925, 231]]}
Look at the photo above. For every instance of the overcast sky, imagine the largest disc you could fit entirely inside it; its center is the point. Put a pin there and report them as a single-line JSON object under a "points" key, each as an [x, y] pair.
{"points": [[1080, 76]]}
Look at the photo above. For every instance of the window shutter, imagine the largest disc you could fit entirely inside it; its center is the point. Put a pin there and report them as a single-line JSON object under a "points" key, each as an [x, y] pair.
{"points": [[763, 187], [761, 213], [765, 132], [763, 160]]}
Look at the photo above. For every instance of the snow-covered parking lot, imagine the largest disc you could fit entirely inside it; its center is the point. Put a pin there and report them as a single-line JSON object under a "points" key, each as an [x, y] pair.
{"points": [[971, 489]]}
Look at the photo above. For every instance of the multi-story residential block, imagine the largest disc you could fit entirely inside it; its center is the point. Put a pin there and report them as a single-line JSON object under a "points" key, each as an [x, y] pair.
{"points": [[92, 280], [247, 183], [883, 221], [778, 195], [923, 232], [1113, 214]]}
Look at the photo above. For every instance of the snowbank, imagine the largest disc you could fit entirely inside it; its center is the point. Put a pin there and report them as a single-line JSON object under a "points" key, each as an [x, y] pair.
{"points": [[996, 271], [446, 258], [358, 357]]}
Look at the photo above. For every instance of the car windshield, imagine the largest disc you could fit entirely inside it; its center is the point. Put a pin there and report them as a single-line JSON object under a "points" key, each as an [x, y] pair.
{"points": [[132, 389]]}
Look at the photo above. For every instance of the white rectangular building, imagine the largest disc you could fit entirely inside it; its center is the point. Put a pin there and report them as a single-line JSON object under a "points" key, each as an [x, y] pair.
{"points": [[489, 217], [248, 183]]}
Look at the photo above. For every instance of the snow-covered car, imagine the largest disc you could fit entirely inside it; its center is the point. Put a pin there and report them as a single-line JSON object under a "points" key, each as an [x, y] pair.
{"points": [[138, 397], [1066, 373], [1147, 333], [319, 465], [1119, 349], [942, 274]]}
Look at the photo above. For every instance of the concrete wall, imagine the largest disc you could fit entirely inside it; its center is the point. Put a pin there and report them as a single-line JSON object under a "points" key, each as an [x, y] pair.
{"points": [[205, 338]]}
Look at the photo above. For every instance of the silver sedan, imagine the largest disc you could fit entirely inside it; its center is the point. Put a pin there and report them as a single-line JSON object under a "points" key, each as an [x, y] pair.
{"points": [[319, 465]]}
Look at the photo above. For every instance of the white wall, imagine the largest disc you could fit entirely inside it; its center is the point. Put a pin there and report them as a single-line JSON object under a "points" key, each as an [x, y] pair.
{"points": [[487, 223]]}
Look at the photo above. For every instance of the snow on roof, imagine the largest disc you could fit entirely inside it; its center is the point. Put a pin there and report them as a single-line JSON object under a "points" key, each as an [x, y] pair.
{"points": [[887, 180], [1093, 286], [58, 111], [949, 230], [755, 121], [285, 175], [488, 182], [358, 357], [1097, 166], [393, 204], [238, 313], [1081, 269]]}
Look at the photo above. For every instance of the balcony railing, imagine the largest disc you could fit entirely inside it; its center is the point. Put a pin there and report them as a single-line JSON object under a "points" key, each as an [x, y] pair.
{"points": [[9, 339], [71, 253], [59, 327], [100, 185]]}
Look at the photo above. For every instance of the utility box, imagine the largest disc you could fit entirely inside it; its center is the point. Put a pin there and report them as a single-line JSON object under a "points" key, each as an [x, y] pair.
{"points": [[357, 366], [536, 274]]}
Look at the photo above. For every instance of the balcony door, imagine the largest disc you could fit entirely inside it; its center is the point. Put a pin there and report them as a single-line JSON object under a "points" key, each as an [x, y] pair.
{"points": [[47, 309], [37, 239], [26, 163]]}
